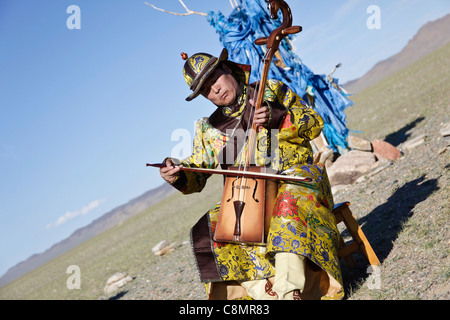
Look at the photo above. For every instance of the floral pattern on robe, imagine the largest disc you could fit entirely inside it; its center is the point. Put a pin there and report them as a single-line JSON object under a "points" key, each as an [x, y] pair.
{"points": [[302, 221]]}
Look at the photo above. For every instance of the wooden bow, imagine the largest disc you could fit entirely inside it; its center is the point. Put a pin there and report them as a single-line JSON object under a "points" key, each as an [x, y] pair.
{"points": [[238, 173]]}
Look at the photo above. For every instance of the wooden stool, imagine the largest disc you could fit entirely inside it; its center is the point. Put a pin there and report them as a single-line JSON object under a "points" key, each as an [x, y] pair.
{"points": [[360, 243]]}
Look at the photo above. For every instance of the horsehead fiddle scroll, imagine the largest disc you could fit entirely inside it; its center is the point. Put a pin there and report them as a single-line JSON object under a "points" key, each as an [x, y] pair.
{"points": [[253, 188]]}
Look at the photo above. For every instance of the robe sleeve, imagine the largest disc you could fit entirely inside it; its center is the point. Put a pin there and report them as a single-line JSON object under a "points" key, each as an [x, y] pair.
{"points": [[300, 123], [202, 157]]}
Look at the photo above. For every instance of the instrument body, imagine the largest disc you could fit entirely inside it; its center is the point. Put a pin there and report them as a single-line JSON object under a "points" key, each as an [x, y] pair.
{"points": [[250, 223]]}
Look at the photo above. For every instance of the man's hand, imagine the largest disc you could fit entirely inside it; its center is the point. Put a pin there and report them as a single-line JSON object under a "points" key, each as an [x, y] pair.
{"points": [[261, 115], [170, 172]]}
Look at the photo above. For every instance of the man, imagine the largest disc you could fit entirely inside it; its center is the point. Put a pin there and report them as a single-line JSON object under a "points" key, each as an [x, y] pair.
{"points": [[299, 260]]}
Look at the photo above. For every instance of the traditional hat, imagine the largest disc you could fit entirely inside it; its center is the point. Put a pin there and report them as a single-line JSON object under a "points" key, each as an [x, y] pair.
{"points": [[198, 67]]}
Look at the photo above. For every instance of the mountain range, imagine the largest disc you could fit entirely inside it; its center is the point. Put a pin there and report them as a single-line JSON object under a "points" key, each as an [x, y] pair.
{"points": [[430, 37]]}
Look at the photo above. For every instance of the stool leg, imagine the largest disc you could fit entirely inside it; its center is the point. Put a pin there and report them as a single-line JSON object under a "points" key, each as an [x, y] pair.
{"points": [[348, 259], [359, 236]]}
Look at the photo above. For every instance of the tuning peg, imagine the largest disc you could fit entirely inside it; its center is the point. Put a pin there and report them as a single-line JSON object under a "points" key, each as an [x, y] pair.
{"points": [[292, 30]]}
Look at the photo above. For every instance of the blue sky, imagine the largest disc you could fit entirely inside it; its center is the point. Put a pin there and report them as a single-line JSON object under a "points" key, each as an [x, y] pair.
{"points": [[83, 110]]}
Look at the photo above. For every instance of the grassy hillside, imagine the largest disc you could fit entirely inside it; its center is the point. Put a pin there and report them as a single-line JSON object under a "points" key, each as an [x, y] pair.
{"points": [[403, 210], [417, 93]]}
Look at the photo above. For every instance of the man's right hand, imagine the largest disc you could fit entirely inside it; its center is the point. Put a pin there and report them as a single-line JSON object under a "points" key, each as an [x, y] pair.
{"points": [[170, 172]]}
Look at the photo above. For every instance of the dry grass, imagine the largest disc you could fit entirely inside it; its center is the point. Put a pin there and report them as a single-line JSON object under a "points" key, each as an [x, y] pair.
{"points": [[404, 210]]}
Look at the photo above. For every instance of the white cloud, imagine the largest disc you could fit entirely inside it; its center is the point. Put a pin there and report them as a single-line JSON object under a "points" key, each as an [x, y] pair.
{"points": [[69, 215]]}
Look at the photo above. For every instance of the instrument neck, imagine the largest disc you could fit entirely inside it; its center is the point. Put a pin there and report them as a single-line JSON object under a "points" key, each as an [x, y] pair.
{"points": [[253, 128]]}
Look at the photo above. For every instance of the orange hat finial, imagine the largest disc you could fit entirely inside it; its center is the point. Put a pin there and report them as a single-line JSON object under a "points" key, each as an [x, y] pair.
{"points": [[184, 55]]}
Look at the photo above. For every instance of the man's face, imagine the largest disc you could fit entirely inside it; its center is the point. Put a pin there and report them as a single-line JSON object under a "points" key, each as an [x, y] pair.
{"points": [[221, 88]]}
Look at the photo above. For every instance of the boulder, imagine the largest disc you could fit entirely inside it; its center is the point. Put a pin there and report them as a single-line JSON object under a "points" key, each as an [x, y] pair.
{"points": [[385, 150], [357, 143], [116, 281], [348, 167], [344, 178], [163, 247]]}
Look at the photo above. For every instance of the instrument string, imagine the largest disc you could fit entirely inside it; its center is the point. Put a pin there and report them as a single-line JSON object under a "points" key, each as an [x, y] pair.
{"points": [[250, 134]]}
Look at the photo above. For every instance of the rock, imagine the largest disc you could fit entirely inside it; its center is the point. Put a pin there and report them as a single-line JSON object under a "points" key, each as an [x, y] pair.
{"points": [[116, 277], [362, 178], [320, 149], [385, 150], [163, 247], [337, 188], [417, 141], [380, 166], [445, 130], [319, 143], [376, 168], [410, 146], [357, 143], [344, 178], [348, 167], [160, 246], [325, 155], [116, 281], [328, 163], [447, 140], [445, 133]]}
